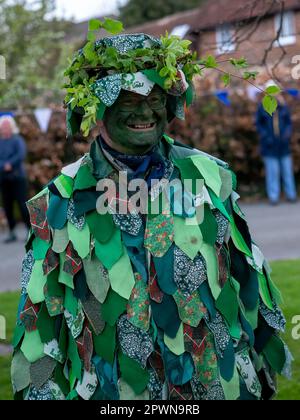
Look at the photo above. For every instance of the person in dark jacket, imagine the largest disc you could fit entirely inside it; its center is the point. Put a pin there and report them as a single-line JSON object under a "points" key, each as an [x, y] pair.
{"points": [[12, 174], [275, 136]]}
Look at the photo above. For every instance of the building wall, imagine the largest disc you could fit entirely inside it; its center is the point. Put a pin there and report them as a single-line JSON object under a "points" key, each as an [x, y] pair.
{"points": [[252, 46]]}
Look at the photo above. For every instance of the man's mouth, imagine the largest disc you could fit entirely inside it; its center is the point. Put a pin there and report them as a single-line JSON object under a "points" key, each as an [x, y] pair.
{"points": [[142, 127]]}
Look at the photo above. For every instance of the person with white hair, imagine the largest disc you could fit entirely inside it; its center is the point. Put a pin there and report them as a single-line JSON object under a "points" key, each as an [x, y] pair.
{"points": [[12, 174]]}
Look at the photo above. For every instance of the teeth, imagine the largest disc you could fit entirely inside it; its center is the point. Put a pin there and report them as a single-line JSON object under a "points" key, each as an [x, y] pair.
{"points": [[142, 126]]}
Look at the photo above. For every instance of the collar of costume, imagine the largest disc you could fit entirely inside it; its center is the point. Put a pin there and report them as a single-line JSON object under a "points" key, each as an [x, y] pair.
{"points": [[151, 164]]}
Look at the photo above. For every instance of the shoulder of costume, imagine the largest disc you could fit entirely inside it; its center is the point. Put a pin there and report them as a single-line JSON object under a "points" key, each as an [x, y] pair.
{"points": [[215, 172]]}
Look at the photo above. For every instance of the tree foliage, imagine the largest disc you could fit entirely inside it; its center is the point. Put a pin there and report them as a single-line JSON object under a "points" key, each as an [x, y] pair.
{"points": [[136, 12], [31, 43]]}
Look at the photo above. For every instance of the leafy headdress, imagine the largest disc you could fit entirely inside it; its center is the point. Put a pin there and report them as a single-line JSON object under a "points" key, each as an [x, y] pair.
{"points": [[135, 63], [132, 62]]}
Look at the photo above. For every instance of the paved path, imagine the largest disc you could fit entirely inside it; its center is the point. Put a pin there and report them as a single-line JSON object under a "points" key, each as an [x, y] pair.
{"points": [[275, 229]]}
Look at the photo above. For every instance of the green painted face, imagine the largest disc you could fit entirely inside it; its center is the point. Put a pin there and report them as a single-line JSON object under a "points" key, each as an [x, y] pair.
{"points": [[135, 123]]}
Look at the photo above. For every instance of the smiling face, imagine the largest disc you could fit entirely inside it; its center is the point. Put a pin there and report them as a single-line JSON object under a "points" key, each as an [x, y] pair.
{"points": [[135, 123]]}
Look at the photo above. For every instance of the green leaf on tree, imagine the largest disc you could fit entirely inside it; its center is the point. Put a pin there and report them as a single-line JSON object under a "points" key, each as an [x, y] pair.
{"points": [[273, 90], [239, 63], [91, 36], [270, 104], [250, 75], [226, 79], [211, 62], [112, 26], [94, 25]]}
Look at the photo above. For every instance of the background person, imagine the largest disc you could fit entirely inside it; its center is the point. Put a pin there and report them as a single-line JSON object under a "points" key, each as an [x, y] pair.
{"points": [[12, 174], [275, 134]]}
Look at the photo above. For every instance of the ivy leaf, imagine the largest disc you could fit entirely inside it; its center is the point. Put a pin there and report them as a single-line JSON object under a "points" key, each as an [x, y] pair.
{"points": [[211, 62], [273, 90], [91, 36], [239, 63], [270, 104], [89, 51], [250, 75], [164, 72], [112, 26], [94, 24], [226, 79]]}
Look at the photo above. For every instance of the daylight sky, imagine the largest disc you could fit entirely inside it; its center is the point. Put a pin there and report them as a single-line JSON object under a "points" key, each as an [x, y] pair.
{"points": [[84, 9]]}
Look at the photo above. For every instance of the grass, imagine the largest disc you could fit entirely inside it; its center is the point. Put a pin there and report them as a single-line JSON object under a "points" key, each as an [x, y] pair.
{"points": [[286, 274]]}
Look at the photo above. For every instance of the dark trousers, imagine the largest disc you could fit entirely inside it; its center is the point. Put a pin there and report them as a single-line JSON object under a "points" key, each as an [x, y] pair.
{"points": [[15, 190]]}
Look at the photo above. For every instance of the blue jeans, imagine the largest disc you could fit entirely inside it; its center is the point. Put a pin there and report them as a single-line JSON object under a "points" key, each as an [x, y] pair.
{"points": [[278, 169]]}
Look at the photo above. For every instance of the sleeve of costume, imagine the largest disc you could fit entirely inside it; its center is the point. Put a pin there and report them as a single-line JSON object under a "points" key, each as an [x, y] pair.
{"points": [[260, 316], [65, 332]]}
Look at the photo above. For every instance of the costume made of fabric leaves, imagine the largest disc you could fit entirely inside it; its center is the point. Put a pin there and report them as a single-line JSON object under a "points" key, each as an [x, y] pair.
{"points": [[159, 307]]}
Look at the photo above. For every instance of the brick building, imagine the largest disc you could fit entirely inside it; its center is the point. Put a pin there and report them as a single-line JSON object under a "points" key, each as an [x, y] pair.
{"points": [[235, 28]]}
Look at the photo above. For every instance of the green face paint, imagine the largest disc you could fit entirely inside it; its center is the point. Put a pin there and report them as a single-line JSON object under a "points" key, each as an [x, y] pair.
{"points": [[135, 123]]}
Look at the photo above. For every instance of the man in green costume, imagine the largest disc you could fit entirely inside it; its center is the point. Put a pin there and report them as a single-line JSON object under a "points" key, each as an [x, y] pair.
{"points": [[176, 304]]}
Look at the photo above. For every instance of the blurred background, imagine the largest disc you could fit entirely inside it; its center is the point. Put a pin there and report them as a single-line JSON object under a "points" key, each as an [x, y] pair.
{"points": [[37, 40]]}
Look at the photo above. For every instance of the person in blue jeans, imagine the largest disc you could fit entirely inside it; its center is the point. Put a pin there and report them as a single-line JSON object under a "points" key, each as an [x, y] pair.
{"points": [[275, 137]]}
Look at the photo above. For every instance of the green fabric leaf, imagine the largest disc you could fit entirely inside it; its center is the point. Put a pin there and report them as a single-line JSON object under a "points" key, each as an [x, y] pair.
{"points": [[188, 171], [18, 335], [176, 345], [101, 226], [275, 354], [40, 248], [35, 288], [65, 185], [228, 304], [45, 325], [218, 204], [60, 240], [264, 291], [110, 252], [70, 302], [121, 276], [226, 188], [105, 343], [154, 77], [74, 357], [96, 279], [209, 171], [132, 373], [84, 178], [189, 95], [80, 239], [232, 388], [20, 372], [210, 256], [113, 307], [238, 239], [64, 278], [188, 236], [209, 226], [32, 346]]}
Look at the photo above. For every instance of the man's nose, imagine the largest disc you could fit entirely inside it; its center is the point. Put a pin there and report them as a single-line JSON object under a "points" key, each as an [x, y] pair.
{"points": [[144, 109]]}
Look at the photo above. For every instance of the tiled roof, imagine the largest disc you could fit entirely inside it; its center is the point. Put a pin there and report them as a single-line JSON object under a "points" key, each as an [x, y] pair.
{"points": [[213, 13]]}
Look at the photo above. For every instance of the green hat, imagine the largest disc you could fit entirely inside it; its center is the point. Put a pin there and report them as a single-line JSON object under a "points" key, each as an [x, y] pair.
{"points": [[133, 62]]}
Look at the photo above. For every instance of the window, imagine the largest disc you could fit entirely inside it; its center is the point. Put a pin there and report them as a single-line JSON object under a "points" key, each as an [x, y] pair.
{"points": [[181, 30], [225, 42], [288, 30]]}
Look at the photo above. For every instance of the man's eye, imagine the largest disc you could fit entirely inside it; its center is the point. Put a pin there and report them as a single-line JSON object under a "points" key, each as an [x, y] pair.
{"points": [[127, 103]]}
